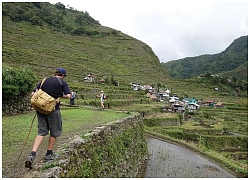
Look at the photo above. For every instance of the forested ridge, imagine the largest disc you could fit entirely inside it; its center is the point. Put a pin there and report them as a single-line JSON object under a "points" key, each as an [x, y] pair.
{"points": [[225, 63]]}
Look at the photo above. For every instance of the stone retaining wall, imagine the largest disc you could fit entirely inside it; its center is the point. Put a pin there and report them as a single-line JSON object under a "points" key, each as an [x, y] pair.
{"points": [[113, 150], [20, 105]]}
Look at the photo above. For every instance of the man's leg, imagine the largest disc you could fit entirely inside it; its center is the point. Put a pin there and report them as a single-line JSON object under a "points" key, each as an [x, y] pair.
{"points": [[50, 155], [37, 143], [51, 143], [55, 125]]}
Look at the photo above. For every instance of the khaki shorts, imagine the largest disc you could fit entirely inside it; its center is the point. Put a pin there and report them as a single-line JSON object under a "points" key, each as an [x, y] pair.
{"points": [[50, 123]]}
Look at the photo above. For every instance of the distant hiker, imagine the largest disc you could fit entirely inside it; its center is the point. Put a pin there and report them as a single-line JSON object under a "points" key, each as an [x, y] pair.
{"points": [[50, 123], [72, 99], [102, 96]]}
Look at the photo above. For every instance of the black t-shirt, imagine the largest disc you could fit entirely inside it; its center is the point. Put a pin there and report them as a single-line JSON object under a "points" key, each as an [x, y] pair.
{"points": [[54, 88]]}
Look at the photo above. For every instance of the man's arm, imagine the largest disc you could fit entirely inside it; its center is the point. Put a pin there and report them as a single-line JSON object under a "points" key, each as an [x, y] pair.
{"points": [[67, 96], [66, 91]]}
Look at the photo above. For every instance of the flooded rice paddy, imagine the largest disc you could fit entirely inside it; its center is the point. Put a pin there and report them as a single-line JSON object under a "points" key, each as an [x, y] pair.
{"points": [[171, 161]]}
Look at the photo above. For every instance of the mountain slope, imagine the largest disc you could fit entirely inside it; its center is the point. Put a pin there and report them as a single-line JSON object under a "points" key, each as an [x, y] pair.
{"points": [[234, 56], [86, 47], [240, 72]]}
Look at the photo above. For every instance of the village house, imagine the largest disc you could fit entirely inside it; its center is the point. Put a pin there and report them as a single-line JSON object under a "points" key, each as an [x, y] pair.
{"points": [[163, 95], [146, 86], [209, 103], [89, 77], [148, 95], [151, 90], [151, 96], [219, 104], [173, 99], [190, 100], [167, 92], [179, 107], [136, 86], [193, 107], [102, 80]]}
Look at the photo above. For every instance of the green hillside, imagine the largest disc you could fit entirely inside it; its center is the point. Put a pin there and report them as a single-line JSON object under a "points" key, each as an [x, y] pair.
{"points": [[240, 72], [229, 60], [45, 36], [42, 37]]}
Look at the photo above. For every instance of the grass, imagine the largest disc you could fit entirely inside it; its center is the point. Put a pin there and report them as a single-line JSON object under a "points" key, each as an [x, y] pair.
{"points": [[85, 119], [78, 121], [14, 131]]}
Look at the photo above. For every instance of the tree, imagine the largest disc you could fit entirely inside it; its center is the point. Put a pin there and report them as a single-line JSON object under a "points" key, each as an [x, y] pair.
{"points": [[208, 74], [158, 86], [235, 80], [60, 5], [113, 81]]}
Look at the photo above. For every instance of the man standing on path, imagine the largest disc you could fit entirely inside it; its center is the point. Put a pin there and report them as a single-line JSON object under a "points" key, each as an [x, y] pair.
{"points": [[50, 123], [102, 99], [72, 99]]}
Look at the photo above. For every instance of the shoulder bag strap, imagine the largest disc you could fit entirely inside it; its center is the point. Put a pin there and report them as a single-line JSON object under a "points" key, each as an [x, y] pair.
{"points": [[42, 82], [61, 85], [59, 81]]}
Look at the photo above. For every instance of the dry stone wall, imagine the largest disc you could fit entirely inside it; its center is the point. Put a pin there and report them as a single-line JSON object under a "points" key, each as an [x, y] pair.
{"points": [[16, 106], [113, 150]]}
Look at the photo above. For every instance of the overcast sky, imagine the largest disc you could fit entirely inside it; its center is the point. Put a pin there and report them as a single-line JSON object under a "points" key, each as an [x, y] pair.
{"points": [[173, 29]]}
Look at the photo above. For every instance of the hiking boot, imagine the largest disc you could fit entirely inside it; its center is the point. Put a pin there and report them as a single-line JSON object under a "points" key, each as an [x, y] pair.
{"points": [[29, 162], [49, 157]]}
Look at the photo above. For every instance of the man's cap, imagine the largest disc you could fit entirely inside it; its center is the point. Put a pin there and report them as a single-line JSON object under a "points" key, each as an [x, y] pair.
{"points": [[101, 91], [61, 70]]}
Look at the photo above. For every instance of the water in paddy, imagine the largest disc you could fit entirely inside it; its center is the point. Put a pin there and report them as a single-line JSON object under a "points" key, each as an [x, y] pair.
{"points": [[170, 161]]}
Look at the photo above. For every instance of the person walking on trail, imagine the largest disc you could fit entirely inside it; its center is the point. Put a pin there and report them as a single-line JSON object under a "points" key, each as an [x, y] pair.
{"points": [[102, 96], [72, 99], [50, 123]]}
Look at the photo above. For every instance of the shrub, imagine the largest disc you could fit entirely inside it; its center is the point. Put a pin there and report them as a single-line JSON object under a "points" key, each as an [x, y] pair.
{"points": [[16, 82]]}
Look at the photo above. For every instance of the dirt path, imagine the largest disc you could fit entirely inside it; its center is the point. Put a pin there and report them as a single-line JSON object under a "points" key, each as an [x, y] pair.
{"points": [[11, 168]]}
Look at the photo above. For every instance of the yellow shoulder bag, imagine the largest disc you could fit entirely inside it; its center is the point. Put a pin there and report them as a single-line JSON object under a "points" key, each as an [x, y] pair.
{"points": [[42, 102]]}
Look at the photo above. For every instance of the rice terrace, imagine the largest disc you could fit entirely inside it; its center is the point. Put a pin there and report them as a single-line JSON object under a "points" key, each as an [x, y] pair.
{"points": [[206, 114]]}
